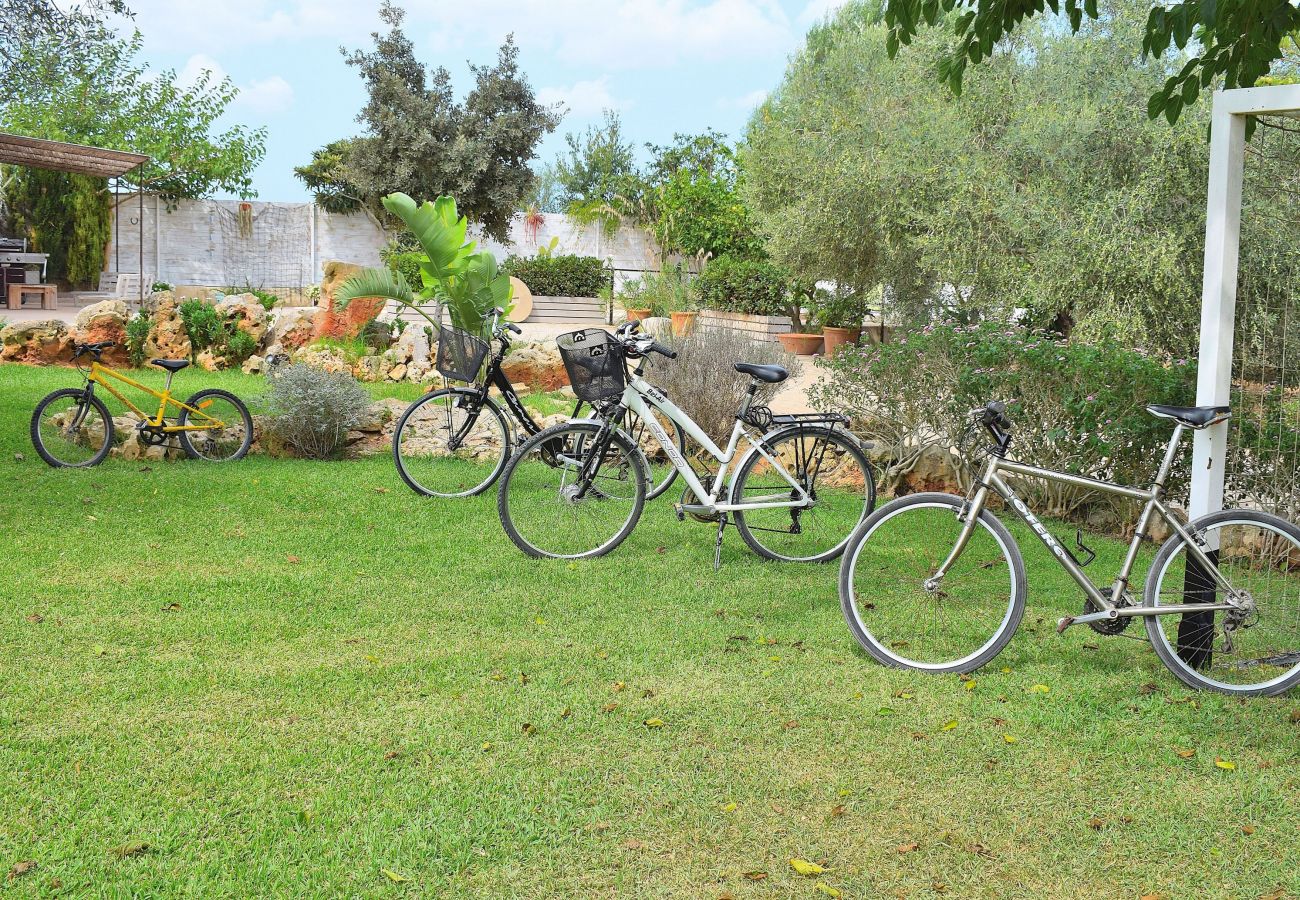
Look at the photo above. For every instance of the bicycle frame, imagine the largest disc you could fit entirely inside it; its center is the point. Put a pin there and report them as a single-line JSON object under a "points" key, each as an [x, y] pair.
{"points": [[102, 375], [1109, 607], [641, 397]]}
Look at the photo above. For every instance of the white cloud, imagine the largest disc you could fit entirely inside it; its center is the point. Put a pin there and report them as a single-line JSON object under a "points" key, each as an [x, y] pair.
{"points": [[816, 10], [583, 99], [250, 21], [265, 96], [749, 101]]}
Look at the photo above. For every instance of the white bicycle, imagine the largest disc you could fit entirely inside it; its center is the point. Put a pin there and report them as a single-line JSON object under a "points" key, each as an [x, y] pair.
{"points": [[576, 490]]}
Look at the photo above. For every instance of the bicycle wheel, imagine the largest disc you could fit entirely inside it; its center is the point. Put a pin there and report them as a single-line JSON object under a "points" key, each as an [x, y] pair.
{"points": [[227, 443], [956, 626], [453, 442], [543, 505], [72, 428], [1251, 653], [660, 471], [831, 468]]}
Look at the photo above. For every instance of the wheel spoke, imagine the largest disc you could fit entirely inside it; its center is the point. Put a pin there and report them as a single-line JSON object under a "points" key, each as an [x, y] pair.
{"points": [[450, 445]]}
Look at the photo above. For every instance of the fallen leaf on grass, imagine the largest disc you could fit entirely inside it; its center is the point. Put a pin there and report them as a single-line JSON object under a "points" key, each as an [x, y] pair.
{"points": [[805, 868], [792, 723], [136, 848], [726, 895], [497, 676], [647, 694], [292, 559], [632, 844], [609, 707], [1275, 894], [381, 490], [566, 712], [392, 754], [753, 876], [908, 847], [18, 457], [1096, 823], [981, 850], [172, 607], [918, 736], [1010, 738], [970, 685], [885, 711], [904, 695], [1295, 715], [528, 728], [36, 618], [837, 811], [1248, 829], [1226, 765], [618, 686], [487, 745], [394, 877], [1149, 897], [949, 725], [824, 888], [1148, 689], [654, 723], [21, 868], [1041, 689], [730, 807]]}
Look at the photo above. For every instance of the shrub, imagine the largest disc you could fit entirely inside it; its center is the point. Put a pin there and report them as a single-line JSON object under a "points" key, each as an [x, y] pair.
{"points": [[266, 298], [660, 292], [312, 411], [202, 324], [1076, 407], [238, 346], [377, 335], [159, 286], [703, 381], [137, 332], [559, 276], [403, 262], [751, 286]]}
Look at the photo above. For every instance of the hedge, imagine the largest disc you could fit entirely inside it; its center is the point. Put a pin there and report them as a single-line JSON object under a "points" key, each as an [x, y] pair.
{"points": [[560, 276], [745, 286]]}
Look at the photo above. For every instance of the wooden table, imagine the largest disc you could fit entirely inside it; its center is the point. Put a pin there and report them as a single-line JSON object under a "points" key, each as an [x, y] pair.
{"points": [[49, 295]]}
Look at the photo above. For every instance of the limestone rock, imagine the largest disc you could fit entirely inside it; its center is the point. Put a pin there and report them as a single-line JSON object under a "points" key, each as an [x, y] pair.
{"points": [[167, 339], [933, 470], [40, 343], [413, 345], [397, 372], [245, 312], [325, 359], [104, 321], [369, 368], [293, 326], [536, 364], [253, 365], [210, 361]]}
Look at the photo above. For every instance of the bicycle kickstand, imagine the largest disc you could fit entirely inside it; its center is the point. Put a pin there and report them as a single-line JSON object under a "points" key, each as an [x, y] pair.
{"points": [[717, 547]]}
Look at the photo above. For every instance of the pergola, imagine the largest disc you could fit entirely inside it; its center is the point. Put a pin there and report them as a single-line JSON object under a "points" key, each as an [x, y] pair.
{"points": [[78, 159]]}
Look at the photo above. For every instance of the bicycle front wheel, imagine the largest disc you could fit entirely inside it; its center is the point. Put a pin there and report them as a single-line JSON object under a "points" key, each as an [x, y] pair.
{"points": [[562, 497], [830, 467], [660, 470], [896, 611], [451, 443], [72, 428], [231, 433], [1252, 652]]}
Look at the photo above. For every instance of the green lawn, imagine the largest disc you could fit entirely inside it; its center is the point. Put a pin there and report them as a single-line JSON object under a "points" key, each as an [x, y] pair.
{"points": [[296, 679]]}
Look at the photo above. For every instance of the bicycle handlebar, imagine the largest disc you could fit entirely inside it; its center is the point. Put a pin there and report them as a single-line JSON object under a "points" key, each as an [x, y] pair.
{"points": [[94, 349]]}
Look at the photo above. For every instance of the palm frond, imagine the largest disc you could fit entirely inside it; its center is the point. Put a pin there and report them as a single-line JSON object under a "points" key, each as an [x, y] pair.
{"points": [[375, 283]]}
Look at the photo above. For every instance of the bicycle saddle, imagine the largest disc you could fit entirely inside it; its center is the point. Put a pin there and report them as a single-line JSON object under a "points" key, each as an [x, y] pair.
{"points": [[1192, 416], [770, 374], [171, 365]]}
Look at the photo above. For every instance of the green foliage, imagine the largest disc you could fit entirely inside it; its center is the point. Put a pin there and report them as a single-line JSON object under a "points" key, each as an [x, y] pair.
{"points": [[377, 335], [1236, 40], [1075, 407], [264, 297], [137, 332], [312, 411], [751, 286], [159, 286], [66, 216], [403, 261], [559, 276], [420, 140], [599, 169], [670, 290], [841, 308], [452, 271], [202, 324], [237, 346]]}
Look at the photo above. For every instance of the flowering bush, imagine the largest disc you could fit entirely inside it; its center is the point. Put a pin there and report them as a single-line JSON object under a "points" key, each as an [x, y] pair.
{"points": [[1076, 407]]}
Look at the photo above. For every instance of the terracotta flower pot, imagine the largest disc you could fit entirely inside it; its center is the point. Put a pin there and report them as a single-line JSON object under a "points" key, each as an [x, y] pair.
{"points": [[800, 344], [838, 337], [683, 322], [636, 315]]}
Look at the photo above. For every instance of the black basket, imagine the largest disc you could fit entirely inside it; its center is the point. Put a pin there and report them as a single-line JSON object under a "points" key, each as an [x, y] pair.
{"points": [[460, 354], [594, 361]]}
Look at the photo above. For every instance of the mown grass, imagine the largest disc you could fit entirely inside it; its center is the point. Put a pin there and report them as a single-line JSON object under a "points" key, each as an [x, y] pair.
{"points": [[290, 678]]}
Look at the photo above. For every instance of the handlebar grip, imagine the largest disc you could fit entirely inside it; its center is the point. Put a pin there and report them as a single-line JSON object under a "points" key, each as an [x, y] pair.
{"points": [[511, 326], [663, 351]]}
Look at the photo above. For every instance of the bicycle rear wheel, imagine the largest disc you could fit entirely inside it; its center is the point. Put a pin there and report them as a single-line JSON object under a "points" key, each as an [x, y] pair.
{"points": [[452, 442], [1255, 652], [905, 621], [226, 443], [72, 428], [548, 510], [831, 468]]}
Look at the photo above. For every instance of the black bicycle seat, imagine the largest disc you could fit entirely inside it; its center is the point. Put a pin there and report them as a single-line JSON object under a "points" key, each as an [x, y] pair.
{"points": [[1192, 416], [770, 374], [171, 365]]}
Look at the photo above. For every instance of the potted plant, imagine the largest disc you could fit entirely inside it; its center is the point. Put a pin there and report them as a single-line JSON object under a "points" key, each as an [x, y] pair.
{"points": [[803, 339], [841, 314], [638, 298], [680, 302]]}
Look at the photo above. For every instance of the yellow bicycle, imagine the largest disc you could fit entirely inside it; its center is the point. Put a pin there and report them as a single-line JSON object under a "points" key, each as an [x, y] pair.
{"points": [[72, 427]]}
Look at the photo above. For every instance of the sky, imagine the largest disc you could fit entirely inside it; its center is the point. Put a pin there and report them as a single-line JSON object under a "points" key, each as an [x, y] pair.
{"points": [[666, 66]]}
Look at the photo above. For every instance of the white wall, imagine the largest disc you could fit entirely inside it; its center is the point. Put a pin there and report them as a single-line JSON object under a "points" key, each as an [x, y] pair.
{"points": [[199, 242]]}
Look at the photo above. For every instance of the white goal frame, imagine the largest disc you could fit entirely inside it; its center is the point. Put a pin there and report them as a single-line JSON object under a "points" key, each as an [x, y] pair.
{"points": [[1219, 289]]}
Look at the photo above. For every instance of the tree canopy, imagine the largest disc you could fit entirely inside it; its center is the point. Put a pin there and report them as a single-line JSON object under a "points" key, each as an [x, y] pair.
{"points": [[421, 141], [1238, 41]]}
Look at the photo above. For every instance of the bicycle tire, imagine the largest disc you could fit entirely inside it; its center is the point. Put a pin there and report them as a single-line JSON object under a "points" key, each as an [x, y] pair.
{"points": [[874, 646], [658, 488], [842, 440], [187, 444], [51, 459], [1182, 669], [487, 404], [552, 435]]}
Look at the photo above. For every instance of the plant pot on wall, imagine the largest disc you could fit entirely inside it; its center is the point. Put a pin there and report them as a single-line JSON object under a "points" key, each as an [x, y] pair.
{"points": [[838, 337], [636, 315], [683, 322], [799, 343]]}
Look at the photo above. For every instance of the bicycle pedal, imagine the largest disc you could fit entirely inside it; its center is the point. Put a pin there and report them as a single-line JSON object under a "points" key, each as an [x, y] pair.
{"points": [[679, 512]]}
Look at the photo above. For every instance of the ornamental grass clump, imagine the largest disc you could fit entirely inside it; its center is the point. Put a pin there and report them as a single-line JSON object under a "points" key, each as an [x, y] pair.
{"points": [[312, 411]]}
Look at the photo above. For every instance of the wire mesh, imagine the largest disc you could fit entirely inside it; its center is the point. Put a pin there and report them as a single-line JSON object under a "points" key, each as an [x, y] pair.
{"points": [[1263, 464]]}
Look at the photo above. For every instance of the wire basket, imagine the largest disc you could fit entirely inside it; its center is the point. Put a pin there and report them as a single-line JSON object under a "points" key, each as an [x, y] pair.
{"points": [[594, 361], [460, 354]]}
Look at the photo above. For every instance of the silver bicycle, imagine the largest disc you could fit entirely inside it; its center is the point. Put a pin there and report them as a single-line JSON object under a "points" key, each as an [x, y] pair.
{"points": [[799, 488], [936, 583]]}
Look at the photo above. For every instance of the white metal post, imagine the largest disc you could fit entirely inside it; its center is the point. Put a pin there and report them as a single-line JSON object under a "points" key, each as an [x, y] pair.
{"points": [[1218, 302]]}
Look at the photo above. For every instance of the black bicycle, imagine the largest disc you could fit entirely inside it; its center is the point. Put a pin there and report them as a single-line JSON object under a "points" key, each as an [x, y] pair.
{"points": [[455, 441]]}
